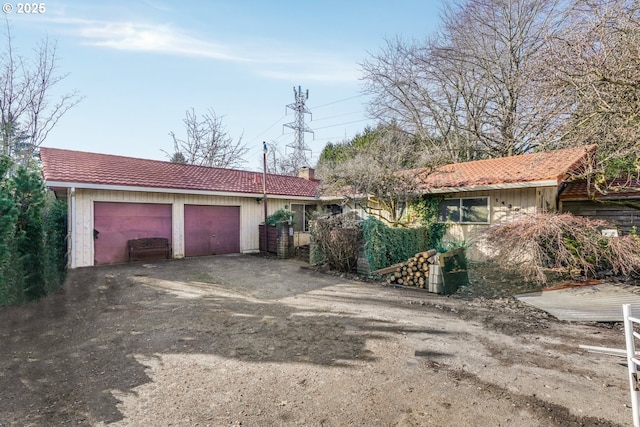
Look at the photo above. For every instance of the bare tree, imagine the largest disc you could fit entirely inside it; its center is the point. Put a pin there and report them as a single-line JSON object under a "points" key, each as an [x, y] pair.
{"points": [[472, 90], [594, 66], [207, 143], [27, 113], [279, 163], [404, 84], [378, 173]]}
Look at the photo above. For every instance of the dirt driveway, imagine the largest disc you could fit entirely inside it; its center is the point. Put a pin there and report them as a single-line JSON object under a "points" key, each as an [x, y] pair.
{"points": [[244, 340]]}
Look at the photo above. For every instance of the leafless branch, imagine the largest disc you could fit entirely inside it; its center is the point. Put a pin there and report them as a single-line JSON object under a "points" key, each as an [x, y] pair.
{"points": [[473, 89], [207, 142], [375, 172], [594, 64], [27, 114], [574, 245]]}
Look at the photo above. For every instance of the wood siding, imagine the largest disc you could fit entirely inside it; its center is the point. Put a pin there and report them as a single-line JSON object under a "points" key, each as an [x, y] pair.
{"points": [[504, 206], [82, 217], [624, 218]]}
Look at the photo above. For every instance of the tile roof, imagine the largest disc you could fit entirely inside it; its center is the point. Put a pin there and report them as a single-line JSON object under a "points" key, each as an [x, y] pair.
{"points": [[616, 189], [526, 168], [77, 167]]}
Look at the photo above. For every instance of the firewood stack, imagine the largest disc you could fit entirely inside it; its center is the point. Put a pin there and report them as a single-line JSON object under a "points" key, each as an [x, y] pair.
{"points": [[413, 272]]}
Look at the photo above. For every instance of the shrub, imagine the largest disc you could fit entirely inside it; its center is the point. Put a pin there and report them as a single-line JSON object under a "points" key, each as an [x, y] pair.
{"points": [[279, 216], [571, 244], [335, 241], [451, 244], [29, 197], [32, 236], [10, 268], [11, 280], [55, 243]]}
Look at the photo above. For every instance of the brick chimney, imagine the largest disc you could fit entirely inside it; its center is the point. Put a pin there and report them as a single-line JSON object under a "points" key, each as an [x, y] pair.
{"points": [[307, 173]]}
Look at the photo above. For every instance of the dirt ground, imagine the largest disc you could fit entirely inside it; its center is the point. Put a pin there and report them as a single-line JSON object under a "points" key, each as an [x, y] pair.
{"points": [[250, 341]]}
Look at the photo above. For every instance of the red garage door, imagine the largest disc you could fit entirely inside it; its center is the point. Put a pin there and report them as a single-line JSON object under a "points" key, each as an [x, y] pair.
{"points": [[211, 230], [115, 223]]}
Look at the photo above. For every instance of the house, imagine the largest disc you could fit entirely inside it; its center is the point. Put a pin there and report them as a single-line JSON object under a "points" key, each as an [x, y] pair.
{"points": [[201, 210], [482, 193], [612, 205]]}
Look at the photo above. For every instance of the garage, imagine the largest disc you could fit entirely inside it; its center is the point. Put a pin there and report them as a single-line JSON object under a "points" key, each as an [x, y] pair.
{"points": [[211, 230], [201, 210], [116, 222]]}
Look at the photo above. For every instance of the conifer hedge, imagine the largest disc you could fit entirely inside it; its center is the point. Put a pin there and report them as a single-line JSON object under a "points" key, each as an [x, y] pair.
{"points": [[32, 236]]}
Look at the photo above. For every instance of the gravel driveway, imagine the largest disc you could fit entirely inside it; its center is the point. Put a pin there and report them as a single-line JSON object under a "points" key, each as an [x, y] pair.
{"points": [[246, 340]]}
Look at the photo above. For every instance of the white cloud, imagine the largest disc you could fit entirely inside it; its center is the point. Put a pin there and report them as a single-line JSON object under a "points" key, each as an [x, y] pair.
{"points": [[273, 59], [152, 38]]}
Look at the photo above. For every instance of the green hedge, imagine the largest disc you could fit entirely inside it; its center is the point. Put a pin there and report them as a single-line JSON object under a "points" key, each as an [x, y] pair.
{"points": [[32, 236], [55, 243], [385, 246]]}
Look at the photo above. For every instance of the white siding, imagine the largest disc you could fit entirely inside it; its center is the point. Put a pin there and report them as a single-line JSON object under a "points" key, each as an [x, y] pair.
{"points": [[504, 206], [81, 221]]}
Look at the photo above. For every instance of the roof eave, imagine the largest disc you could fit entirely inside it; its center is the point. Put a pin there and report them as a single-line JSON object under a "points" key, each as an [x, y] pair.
{"points": [[609, 197], [109, 187], [504, 186]]}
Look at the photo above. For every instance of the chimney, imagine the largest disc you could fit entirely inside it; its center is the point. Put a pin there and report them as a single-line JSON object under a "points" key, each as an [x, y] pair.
{"points": [[307, 173]]}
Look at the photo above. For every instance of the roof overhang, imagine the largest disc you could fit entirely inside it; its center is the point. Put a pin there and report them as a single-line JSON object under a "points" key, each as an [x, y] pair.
{"points": [[56, 185], [608, 197], [505, 186], [336, 198]]}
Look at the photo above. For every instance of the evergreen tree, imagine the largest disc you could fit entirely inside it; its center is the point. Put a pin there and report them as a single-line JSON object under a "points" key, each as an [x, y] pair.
{"points": [[9, 273], [29, 198], [55, 230]]}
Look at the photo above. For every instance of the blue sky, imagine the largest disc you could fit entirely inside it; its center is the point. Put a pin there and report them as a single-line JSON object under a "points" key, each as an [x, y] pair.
{"points": [[140, 64]]}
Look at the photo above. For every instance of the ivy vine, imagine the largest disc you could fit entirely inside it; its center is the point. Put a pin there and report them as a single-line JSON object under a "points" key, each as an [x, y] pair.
{"points": [[385, 246]]}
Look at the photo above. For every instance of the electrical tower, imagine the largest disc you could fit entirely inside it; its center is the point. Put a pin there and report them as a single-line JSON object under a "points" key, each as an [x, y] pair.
{"points": [[300, 149]]}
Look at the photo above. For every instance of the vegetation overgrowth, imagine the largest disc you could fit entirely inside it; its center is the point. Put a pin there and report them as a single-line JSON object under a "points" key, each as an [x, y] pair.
{"points": [[571, 245]]}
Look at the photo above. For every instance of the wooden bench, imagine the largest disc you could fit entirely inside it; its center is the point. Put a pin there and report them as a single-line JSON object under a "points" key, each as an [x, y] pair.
{"points": [[149, 248]]}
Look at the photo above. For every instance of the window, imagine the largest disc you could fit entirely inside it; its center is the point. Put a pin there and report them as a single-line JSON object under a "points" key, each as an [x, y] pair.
{"points": [[470, 210], [301, 216]]}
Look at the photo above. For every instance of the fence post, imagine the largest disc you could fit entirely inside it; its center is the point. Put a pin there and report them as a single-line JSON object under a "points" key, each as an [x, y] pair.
{"points": [[632, 362]]}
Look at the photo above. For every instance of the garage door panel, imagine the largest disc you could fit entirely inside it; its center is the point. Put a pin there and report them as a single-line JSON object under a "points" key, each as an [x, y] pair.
{"points": [[211, 230], [115, 223]]}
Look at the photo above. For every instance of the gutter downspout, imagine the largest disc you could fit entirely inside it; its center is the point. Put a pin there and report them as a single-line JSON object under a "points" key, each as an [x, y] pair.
{"points": [[264, 192], [71, 226]]}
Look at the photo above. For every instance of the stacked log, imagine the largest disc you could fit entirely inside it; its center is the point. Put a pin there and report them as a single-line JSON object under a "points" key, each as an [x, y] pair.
{"points": [[413, 272]]}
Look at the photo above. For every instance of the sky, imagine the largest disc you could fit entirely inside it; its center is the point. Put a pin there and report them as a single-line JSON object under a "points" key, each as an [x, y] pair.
{"points": [[139, 65]]}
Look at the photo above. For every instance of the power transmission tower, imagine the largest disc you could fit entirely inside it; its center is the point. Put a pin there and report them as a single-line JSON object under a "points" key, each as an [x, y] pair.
{"points": [[300, 148]]}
